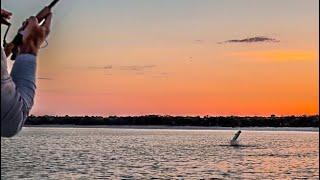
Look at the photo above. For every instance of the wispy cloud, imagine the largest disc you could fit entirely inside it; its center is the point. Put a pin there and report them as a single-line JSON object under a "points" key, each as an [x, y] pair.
{"points": [[198, 41], [161, 75], [277, 55], [124, 68], [101, 67], [137, 68], [45, 78], [256, 39]]}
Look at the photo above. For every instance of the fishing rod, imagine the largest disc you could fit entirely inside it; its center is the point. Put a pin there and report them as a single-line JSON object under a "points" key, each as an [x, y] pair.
{"points": [[12, 47]]}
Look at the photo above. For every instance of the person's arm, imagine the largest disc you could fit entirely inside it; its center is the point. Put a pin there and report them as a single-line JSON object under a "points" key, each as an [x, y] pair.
{"points": [[17, 93], [18, 89]]}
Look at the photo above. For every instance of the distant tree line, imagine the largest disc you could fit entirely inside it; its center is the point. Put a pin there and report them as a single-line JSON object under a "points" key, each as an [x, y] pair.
{"points": [[223, 121]]}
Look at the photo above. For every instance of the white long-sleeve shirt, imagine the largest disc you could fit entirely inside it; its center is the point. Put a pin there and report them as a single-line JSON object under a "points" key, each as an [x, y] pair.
{"points": [[17, 92]]}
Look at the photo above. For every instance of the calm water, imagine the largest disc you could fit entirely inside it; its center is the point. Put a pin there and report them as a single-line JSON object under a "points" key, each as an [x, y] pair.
{"points": [[69, 153]]}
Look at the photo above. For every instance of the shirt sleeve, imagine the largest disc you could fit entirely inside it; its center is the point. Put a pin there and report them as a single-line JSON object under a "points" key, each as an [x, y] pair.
{"points": [[17, 94]]}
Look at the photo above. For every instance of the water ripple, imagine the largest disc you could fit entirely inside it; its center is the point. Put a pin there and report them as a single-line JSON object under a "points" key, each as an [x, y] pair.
{"points": [[69, 153]]}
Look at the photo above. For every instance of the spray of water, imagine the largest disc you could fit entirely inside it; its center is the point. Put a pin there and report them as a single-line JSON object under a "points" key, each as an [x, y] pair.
{"points": [[234, 141]]}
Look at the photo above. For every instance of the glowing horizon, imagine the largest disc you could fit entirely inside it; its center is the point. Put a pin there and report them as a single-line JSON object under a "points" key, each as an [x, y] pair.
{"points": [[165, 57]]}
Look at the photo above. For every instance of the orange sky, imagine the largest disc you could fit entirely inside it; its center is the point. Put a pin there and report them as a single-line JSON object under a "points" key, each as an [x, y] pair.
{"points": [[163, 57]]}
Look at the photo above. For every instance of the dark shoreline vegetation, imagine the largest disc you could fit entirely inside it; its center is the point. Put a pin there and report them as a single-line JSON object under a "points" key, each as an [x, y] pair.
{"points": [[155, 120]]}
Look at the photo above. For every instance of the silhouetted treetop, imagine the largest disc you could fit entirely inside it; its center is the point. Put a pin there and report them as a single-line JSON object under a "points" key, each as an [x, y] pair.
{"points": [[223, 121]]}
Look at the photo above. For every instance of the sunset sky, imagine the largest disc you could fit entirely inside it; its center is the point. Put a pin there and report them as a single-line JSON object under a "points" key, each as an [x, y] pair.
{"points": [[177, 57]]}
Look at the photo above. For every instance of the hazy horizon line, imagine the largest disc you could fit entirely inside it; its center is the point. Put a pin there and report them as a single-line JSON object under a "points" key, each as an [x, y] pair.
{"points": [[272, 115]]}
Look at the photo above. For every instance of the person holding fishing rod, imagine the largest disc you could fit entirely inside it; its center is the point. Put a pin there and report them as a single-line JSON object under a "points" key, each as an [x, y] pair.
{"points": [[18, 87]]}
